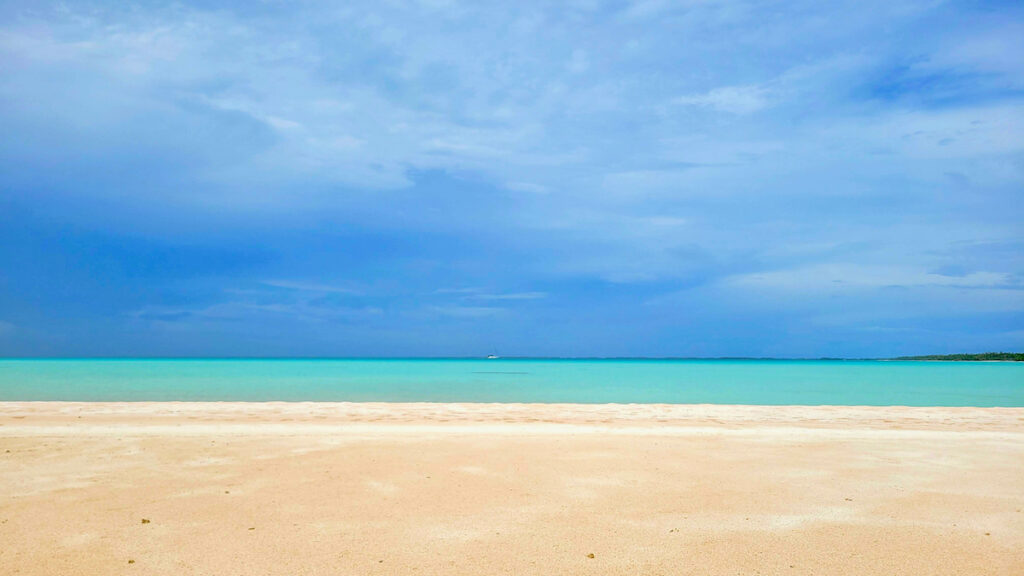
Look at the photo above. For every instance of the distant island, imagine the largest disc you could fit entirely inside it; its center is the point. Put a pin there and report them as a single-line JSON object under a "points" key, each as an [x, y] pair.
{"points": [[985, 357]]}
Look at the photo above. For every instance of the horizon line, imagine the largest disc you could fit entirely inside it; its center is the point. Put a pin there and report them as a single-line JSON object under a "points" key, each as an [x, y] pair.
{"points": [[476, 357]]}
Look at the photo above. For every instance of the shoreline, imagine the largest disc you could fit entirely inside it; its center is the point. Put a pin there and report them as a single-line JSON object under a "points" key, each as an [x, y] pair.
{"points": [[16, 414]]}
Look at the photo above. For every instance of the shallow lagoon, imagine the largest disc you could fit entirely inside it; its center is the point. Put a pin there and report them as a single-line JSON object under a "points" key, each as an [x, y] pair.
{"points": [[767, 382]]}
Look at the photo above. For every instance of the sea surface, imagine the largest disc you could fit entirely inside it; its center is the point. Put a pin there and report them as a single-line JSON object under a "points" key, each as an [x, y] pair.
{"points": [[766, 382]]}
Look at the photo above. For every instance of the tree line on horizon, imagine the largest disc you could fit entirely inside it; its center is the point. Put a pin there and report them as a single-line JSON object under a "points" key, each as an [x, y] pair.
{"points": [[990, 356]]}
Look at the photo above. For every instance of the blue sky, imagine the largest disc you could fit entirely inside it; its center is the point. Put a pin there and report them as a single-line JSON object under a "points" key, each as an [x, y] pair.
{"points": [[651, 178]]}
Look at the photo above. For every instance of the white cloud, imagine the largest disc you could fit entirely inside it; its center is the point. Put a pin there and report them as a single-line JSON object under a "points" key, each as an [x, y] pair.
{"points": [[529, 187], [481, 294], [833, 277], [400, 96], [997, 50], [967, 132], [768, 110], [511, 296], [467, 312], [309, 286], [255, 309]]}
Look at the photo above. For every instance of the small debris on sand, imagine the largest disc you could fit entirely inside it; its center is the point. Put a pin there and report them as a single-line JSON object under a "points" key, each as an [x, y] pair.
{"points": [[145, 520], [591, 555], [131, 561]]}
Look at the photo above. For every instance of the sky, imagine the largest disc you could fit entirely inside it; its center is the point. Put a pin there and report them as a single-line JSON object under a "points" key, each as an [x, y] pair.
{"points": [[578, 178]]}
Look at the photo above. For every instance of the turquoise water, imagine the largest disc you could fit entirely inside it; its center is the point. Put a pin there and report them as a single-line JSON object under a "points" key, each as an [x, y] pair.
{"points": [[583, 381]]}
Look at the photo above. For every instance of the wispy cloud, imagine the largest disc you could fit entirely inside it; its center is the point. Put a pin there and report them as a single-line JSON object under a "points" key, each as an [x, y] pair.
{"points": [[249, 311], [309, 287], [851, 277], [474, 293], [511, 296], [732, 99], [468, 312]]}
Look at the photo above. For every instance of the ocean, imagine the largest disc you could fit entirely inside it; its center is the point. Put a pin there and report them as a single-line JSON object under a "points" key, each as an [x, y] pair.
{"points": [[764, 382]]}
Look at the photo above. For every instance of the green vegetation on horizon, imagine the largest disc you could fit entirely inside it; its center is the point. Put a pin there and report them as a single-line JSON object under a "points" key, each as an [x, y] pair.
{"points": [[991, 356]]}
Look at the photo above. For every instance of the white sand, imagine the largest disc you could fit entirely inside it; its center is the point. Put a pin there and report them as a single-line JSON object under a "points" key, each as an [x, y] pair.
{"points": [[320, 488]]}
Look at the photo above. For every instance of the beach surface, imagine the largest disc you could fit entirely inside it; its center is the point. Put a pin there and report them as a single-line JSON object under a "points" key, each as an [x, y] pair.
{"points": [[342, 488]]}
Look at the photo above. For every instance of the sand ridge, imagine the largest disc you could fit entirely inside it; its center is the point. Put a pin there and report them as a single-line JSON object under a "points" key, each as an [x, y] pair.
{"points": [[661, 416]]}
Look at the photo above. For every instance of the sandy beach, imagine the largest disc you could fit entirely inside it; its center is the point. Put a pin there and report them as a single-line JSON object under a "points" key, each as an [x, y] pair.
{"points": [[319, 488]]}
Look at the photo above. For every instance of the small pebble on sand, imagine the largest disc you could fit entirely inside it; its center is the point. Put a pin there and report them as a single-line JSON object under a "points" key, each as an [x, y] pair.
{"points": [[591, 555], [145, 520]]}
